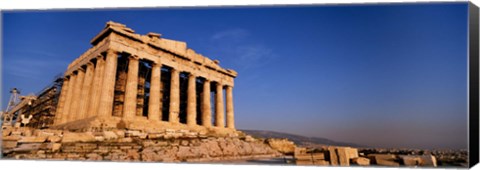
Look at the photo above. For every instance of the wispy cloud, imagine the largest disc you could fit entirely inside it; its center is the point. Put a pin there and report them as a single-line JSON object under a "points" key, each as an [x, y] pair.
{"points": [[32, 68], [236, 34], [252, 56], [243, 50]]}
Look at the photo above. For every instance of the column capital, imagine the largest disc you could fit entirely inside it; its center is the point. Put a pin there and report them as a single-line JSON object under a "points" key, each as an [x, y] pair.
{"points": [[90, 63], [207, 80], [133, 57], [99, 56], [68, 76], [176, 70], [80, 69], [112, 51], [156, 62], [192, 75]]}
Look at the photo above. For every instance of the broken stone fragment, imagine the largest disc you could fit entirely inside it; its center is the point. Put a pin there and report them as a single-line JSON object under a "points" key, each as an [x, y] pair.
{"points": [[9, 144], [384, 159], [249, 138], [27, 147], [154, 35], [54, 139], [428, 160], [109, 135], [6, 132], [310, 156], [361, 161], [11, 138], [282, 145], [56, 146], [32, 139], [77, 137], [333, 156], [411, 160], [343, 156]]}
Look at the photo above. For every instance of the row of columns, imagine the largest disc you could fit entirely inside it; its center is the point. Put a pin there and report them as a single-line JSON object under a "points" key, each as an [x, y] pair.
{"points": [[89, 92]]}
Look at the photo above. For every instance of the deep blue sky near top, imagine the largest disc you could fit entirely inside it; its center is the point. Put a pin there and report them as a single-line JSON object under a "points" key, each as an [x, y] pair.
{"points": [[378, 75]]}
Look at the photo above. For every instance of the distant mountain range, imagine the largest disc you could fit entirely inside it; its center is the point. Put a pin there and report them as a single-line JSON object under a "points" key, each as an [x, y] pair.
{"points": [[299, 140]]}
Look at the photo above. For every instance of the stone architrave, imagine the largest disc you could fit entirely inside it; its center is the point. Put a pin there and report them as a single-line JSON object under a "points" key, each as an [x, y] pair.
{"points": [[154, 111], [206, 105], [108, 84], [76, 95], [84, 97], [96, 87], [174, 96], [191, 100], [219, 112], [68, 100], [61, 101], [130, 104], [229, 100]]}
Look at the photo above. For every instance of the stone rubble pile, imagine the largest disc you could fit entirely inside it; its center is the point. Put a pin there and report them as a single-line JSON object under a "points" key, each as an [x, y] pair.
{"points": [[347, 156], [130, 145]]}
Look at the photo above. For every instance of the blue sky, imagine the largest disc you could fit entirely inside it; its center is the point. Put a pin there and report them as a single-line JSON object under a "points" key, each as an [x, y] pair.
{"points": [[378, 75]]}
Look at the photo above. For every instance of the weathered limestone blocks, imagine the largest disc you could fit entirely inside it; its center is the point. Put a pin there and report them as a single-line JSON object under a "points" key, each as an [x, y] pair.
{"points": [[428, 160], [411, 160], [132, 145], [342, 155], [33, 139], [302, 157], [415, 160], [330, 155], [77, 137]]}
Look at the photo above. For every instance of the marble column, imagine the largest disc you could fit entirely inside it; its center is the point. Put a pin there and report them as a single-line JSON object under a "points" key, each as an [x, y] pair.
{"points": [[219, 112], [131, 89], [61, 101], [77, 91], [174, 96], [154, 102], [108, 85], [68, 100], [206, 106], [229, 98], [191, 100], [96, 87], [84, 97]]}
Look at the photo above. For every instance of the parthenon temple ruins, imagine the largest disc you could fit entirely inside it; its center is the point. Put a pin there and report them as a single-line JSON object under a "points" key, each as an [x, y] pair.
{"points": [[138, 81]]}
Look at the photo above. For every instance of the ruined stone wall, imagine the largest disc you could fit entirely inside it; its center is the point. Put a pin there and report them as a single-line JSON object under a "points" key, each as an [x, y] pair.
{"points": [[127, 145], [43, 108]]}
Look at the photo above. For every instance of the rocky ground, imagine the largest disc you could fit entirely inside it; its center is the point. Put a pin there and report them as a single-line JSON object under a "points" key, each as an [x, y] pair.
{"points": [[129, 145]]}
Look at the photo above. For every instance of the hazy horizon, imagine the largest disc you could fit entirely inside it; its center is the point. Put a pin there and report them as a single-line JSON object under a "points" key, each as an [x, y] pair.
{"points": [[387, 75]]}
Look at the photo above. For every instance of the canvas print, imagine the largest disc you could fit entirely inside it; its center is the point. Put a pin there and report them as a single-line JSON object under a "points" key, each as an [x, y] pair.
{"points": [[381, 85]]}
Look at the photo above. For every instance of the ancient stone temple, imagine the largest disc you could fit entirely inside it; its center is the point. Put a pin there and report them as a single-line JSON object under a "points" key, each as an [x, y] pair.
{"points": [[138, 81]]}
